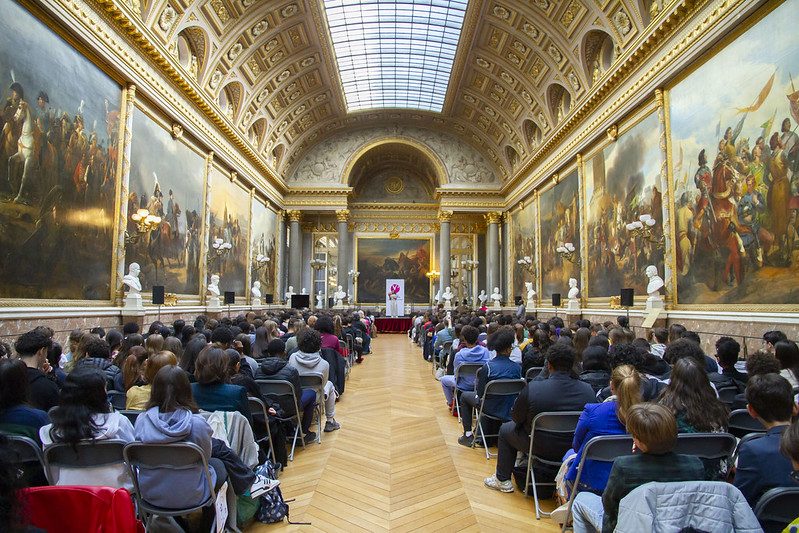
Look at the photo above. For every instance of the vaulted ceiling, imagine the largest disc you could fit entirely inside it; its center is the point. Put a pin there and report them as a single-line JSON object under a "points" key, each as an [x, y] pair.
{"points": [[520, 69]]}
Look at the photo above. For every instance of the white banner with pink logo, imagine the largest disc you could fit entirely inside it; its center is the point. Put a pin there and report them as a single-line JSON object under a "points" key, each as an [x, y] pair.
{"points": [[395, 297]]}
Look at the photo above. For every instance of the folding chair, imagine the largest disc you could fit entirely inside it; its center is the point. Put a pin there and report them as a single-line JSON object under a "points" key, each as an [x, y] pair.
{"points": [[465, 370], [741, 423], [174, 456], [258, 408], [117, 399], [603, 448], [314, 381], [28, 454], [347, 363], [562, 423], [777, 508], [443, 355], [83, 455], [277, 388], [496, 389], [131, 415], [706, 445], [727, 395], [533, 372]]}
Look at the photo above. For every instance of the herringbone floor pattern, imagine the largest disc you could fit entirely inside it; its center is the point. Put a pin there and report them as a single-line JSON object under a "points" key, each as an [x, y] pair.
{"points": [[396, 465]]}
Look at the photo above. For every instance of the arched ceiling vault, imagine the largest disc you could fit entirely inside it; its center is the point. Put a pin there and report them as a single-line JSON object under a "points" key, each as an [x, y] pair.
{"points": [[269, 67]]}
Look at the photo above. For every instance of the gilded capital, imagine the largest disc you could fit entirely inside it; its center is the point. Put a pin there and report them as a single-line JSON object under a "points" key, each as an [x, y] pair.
{"points": [[131, 91], [659, 94], [493, 217], [444, 216], [294, 215], [343, 215]]}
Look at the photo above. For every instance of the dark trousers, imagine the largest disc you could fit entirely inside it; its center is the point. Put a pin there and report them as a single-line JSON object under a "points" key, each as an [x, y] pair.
{"points": [[510, 441], [307, 402], [469, 402]]}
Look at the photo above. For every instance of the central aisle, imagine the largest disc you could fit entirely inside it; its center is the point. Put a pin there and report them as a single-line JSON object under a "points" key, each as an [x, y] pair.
{"points": [[392, 466]]}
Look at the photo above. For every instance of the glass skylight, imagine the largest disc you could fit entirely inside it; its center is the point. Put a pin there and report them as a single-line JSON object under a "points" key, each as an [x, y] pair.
{"points": [[395, 53]]}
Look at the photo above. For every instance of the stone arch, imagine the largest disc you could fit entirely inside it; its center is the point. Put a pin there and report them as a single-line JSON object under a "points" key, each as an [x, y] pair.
{"points": [[257, 131], [277, 153], [532, 133], [230, 98], [512, 156], [598, 53], [440, 170], [559, 101], [196, 40]]}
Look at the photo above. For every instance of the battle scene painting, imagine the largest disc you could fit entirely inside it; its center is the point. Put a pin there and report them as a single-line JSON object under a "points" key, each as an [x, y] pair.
{"points": [[523, 224], [229, 224], [166, 179], [381, 259], [623, 182], [560, 224], [59, 125], [735, 153], [264, 242]]}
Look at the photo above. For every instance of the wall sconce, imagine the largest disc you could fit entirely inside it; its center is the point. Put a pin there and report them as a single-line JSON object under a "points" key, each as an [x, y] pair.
{"points": [[145, 223], [433, 275], [643, 227], [526, 263], [568, 252], [470, 264], [218, 249], [354, 275], [259, 262]]}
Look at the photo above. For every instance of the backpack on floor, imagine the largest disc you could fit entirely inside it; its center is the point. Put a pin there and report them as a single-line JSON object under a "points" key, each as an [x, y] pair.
{"points": [[273, 508]]}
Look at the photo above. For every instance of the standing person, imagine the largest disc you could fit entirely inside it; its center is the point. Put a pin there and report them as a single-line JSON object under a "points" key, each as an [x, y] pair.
{"points": [[308, 360], [32, 348]]}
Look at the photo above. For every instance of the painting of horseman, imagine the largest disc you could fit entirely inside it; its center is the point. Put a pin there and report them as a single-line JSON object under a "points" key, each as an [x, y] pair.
{"points": [[381, 259]]}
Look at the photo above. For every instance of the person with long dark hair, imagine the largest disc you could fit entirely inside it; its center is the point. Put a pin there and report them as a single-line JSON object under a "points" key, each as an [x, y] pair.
{"points": [[692, 399], [188, 361], [787, 353], [213, 391], [84, 415]]}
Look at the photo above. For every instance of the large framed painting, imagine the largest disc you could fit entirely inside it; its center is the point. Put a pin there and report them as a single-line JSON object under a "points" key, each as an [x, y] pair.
{"points": [[735, 158], [229, 224], [623, 182], [264, 243], [560, 224], [382, 258], [167, 178], [58, 165], [523, 234]]}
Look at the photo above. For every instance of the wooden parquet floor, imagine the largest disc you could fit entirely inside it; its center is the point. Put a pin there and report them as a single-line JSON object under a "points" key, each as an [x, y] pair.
{"points": [[395, 464]]}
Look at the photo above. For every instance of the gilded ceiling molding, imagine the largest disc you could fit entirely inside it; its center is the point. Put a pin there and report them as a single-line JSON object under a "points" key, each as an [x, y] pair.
{"points": [[445, 216]]}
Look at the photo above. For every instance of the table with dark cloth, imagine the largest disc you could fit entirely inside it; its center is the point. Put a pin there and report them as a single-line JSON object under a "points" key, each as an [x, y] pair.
{"points": [[393, 325]]}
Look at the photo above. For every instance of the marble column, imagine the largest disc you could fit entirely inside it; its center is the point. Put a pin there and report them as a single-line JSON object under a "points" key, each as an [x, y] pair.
{"points": [[504, 260], [492, 255], [282, 256], [295, 251], [445, 264], [343, 248]]}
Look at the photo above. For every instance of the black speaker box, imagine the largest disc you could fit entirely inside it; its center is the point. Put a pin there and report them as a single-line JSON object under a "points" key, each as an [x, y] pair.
{"points": [[627, 297], [556, 299], [300, 301], [518, 300], [269, 298], [158, 295], [230, 297]]}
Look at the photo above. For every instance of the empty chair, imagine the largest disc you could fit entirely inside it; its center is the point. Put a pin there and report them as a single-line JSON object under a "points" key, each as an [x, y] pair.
{"points": [[561, 424], [495, 389], [777, 508], [280, 388]]}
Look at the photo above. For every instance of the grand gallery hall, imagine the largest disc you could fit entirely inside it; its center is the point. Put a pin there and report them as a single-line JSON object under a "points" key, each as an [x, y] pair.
{"points": [[399, 265]]}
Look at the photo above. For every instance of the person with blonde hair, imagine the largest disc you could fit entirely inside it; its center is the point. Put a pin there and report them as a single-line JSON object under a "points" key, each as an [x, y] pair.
{"points": [[138, 395]]}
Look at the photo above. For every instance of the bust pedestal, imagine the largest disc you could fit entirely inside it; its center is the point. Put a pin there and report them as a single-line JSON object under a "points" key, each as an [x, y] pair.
{"points": [[214, 305], [573, 305], [655, 302], [133, 302], [256, 302], [447, 305], [497, 305]]}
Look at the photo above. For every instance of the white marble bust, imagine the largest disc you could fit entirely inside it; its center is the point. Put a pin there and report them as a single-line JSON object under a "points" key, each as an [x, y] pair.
{"points": [[256, 290], [213, 286], [574, 292], [339, 296], [496, 297], [304, 291], [483, 297], [131, 279], [289, 293], [530, 291], [655, 281]]}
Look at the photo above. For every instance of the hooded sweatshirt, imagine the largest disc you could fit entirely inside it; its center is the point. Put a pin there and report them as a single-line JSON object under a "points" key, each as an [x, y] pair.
{"points": [[475, 354], [158, 484], [110, 426], [310, 363]]}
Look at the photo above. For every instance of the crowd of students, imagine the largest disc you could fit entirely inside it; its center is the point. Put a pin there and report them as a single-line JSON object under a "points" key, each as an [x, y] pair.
{"points": [[651, 388], [169, 375]]}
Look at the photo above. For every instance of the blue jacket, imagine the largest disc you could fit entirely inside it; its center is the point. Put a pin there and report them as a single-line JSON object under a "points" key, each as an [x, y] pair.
{"points": [[761, 466], [597, 419], [498, 368], [476, 354]]}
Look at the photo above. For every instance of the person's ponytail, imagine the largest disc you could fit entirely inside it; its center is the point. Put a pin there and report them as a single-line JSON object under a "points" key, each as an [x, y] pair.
{"points": [[626, 383]]}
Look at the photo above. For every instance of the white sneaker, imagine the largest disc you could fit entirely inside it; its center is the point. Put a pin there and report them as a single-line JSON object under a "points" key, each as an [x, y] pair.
{"points": [[559, 515], [263, 485], [502, 486]]}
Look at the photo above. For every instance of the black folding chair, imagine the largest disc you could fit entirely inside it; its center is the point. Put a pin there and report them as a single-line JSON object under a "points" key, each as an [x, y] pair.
{"points": [[465, 370], [742, 423], [533, 372], [603, 448], [777, 508], [28, 454], [497, 388], [174, 456], [706, 445], [314, 381], [276, 389], [440, 361], [560, 423], [258, 409], [90, 454]]}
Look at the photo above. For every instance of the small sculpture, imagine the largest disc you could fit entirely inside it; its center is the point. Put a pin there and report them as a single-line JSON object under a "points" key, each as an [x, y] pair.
{"points": [[213, 292], [530, 292], [131, 280], [437, 297], [320, 300], [447, 296], [496, 297], [304, 291], [483, 297], [289, 294], [656, 283], [339, 295], [393, 294], [574, 295], [256, 293]]}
